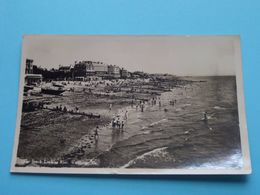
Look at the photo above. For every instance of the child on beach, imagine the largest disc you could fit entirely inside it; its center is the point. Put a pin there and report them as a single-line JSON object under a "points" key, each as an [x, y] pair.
{"points": [[122, 124], [118, 122], [113, 123], [126, 115]]}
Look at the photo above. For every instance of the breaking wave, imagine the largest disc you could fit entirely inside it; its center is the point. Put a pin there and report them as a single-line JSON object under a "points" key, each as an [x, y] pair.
{"points": [[159, 153], [155, 123], [219, 108]]}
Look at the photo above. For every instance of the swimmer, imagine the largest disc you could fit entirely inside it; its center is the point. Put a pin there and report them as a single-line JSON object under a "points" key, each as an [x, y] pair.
{"points": [[205, 116]]}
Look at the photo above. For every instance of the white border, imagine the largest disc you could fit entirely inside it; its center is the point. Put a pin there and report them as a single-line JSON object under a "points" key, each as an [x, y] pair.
{"points": [[246, 169]]}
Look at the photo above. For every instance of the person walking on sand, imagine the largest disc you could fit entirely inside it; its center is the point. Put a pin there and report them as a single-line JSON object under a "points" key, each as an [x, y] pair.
{"points": [[96, 133], [110, 107], [142, 107], [126, 114]]}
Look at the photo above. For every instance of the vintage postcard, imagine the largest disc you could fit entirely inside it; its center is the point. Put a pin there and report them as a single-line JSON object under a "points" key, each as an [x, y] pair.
{"points": [[131, 105]]}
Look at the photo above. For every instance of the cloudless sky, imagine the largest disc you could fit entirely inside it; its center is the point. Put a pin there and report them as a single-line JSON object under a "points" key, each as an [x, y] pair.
{"points": [[178, 55]]}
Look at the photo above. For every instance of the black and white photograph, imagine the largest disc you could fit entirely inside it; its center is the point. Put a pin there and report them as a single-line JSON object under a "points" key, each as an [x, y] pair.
{"points": [[111, 104]]}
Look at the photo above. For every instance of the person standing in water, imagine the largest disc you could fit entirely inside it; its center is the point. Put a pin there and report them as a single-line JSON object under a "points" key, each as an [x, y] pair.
{"points": [[122, 124], [118, 122], [205, 116], [114, 122]]}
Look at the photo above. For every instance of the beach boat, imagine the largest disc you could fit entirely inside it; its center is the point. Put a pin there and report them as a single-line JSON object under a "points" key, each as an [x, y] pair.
{"points": [[57, 85], [27, 88], [52, 90]]}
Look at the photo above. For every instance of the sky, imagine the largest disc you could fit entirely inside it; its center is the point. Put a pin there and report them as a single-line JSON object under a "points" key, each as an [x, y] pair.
{"points": [[177, 55]]}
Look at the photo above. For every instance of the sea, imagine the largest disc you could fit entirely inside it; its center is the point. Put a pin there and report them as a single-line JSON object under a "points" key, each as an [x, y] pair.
{"points": [[178, 136]]}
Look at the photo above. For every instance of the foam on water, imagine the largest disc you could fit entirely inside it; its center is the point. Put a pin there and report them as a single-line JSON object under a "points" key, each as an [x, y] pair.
{"points": [[156, 153], [186, 105], [146, 132], [157, 122], [219, 108], [154, 123]]}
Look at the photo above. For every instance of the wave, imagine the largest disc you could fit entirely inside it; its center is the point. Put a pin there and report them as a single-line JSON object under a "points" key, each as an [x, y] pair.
{"points": [[154, 123], [157, 122], [219, 108], [156, 153], [146, 132]]}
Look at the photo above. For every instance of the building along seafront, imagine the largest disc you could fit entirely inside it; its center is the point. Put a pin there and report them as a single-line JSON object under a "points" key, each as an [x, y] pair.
{"points": [[30, 78], [85, 70]]}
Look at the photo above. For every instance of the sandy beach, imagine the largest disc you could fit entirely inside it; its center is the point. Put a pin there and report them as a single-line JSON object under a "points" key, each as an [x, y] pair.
{"points": [[169, 130]]}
